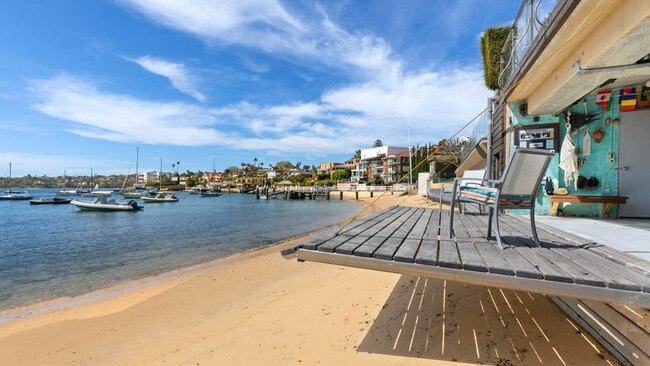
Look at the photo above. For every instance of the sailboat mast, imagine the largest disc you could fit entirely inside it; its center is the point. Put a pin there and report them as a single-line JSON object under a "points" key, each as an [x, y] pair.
{"points": [[9, 170], [137, 159], [160, 176]]}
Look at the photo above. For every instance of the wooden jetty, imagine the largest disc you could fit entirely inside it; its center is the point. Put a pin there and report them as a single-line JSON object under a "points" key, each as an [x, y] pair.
{"points": [[603, 289], [294, 192]]}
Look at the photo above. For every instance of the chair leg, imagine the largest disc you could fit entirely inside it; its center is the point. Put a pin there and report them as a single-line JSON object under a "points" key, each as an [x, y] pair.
{"points": [[496, 217], [533, 226], [489, 228], [451, 217]]}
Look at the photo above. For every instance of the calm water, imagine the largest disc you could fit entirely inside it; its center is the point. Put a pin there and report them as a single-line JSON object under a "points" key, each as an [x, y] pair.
{"points": [[49, 251]]}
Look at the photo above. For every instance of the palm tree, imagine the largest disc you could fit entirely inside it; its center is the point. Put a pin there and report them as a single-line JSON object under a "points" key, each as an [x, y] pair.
{"points": [[254, 161]]}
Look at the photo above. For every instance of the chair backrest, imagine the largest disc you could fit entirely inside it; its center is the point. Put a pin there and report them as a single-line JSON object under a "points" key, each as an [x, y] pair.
{"points": [[525, 171], [478, 173]]}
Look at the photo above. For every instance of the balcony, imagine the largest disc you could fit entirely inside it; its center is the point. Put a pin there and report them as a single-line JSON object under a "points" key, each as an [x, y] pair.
{"points": [[533, 16]]}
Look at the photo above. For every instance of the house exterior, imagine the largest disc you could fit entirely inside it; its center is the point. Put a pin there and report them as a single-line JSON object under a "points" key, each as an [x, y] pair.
{"points": [[395, 167], [214, 177], [149, 178], [584, 70], [371, 162], [327, 168]]}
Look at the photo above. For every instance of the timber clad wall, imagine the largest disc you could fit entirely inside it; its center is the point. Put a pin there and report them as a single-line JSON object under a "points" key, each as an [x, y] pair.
{"points": [[498, 138]]}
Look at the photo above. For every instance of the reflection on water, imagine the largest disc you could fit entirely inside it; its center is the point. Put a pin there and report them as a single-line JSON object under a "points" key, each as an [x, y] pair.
{"points": [[56, 250]]}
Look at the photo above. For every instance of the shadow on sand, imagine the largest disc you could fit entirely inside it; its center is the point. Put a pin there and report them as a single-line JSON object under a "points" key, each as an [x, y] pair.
{"points": [[448, 321]]}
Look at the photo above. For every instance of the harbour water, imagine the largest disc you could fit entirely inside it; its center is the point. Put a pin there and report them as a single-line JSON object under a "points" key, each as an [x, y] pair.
{"points": [[52, 251]]}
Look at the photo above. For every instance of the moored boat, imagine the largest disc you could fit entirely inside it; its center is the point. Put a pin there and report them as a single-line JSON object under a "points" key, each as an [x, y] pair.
{"points": [[211, 193], [15, 196], [160, 198], [50, 201], [104, 204]]}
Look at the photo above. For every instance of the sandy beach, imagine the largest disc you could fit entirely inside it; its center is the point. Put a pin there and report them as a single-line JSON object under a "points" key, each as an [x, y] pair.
{"points": [[257, 308]]}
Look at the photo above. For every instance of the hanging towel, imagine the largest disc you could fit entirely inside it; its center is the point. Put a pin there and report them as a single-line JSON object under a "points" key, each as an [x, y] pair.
{"points": [[569, 160]]}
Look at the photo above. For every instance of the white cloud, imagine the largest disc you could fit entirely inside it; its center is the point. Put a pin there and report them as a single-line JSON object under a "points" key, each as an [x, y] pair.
{"points": [[268, 26], [94, 113], [341, 120], [177, 73]]}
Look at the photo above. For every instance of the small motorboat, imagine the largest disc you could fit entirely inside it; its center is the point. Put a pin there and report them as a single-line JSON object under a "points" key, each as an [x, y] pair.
{"points": [[67, 192], [160, 198], [15, 196], [103, 203], [211, 193], [50, 201]]}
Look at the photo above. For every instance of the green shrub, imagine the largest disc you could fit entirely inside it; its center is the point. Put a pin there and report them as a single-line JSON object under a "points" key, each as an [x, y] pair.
{"points": [[492, 43]]}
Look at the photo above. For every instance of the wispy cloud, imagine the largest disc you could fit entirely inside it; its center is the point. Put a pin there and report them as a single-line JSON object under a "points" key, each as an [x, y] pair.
{"points": [[341, 119], [177, 73], [268, 26]]}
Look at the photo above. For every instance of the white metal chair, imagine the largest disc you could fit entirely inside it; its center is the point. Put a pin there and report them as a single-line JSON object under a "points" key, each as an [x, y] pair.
{"points": [[516, 189]]}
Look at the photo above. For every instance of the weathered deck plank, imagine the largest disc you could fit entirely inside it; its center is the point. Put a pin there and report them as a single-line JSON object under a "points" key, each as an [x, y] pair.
{"points": [[420, 227], [388, 248], [448, 254], [416, 240], [407, 251], [352, 228], [470, 257], [428, 253]]}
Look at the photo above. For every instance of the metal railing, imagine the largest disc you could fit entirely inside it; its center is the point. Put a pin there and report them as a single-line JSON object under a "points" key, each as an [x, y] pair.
{"points": [[530, 20], [479, 131]]}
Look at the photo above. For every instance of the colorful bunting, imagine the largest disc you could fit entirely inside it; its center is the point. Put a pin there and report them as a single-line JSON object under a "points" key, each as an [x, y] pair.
{"points": [[628, 99], [603, 99]]}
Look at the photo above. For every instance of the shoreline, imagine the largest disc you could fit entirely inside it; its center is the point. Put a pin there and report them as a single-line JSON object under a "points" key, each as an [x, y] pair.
{"points": [[175, 276], [257, 308], [163, 279]]}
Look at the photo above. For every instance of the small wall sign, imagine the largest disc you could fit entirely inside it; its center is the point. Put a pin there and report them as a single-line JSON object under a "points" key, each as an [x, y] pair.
{"points": [[545, 136]]}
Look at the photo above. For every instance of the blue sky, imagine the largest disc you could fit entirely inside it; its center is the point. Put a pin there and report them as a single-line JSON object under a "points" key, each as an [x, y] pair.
{"points": [[82, 83]]}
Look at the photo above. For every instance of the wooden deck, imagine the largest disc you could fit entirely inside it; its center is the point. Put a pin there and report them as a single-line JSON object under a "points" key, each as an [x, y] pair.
{"points": [[415, 241]]}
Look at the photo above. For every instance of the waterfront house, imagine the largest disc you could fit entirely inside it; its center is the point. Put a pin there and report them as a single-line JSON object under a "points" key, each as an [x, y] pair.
{"points": [[579, 71], [371, 163], [214, 177]]}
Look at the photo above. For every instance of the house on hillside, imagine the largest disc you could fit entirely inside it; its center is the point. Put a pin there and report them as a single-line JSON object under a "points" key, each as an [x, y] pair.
{"points": [[215, 177]]}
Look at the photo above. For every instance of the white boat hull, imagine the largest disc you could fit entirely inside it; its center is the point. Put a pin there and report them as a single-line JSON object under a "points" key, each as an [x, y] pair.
{"points": [[91, 206], [158, 200]]}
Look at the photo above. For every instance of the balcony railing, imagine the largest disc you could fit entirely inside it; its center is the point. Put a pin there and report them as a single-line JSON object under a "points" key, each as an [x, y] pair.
{"points": [[480, 129], [531, 18]]}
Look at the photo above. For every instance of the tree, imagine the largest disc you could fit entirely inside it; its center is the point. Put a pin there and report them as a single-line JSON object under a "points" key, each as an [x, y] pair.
{"points": [[376, 179], [341, 174], [282, 169], [378, 143], [357, 154], [254, 161]]}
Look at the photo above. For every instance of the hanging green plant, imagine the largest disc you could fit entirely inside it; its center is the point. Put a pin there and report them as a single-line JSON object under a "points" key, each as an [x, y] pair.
{"points": [[492, 43]]}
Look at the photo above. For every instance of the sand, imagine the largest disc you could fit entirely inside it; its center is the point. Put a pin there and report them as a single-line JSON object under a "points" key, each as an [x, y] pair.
{"points": [[257, 308]]}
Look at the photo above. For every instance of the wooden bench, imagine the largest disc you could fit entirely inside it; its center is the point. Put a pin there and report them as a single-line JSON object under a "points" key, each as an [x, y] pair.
{"points": [[607, 201]]}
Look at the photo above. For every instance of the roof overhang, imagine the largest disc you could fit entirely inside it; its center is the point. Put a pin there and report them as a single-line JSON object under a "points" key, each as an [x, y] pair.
{"points": [[599, 41]]}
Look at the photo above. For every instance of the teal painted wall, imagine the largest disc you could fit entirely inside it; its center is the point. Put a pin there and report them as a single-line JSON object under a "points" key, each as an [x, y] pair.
{"points": [[597, 164], [543, 203]]}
